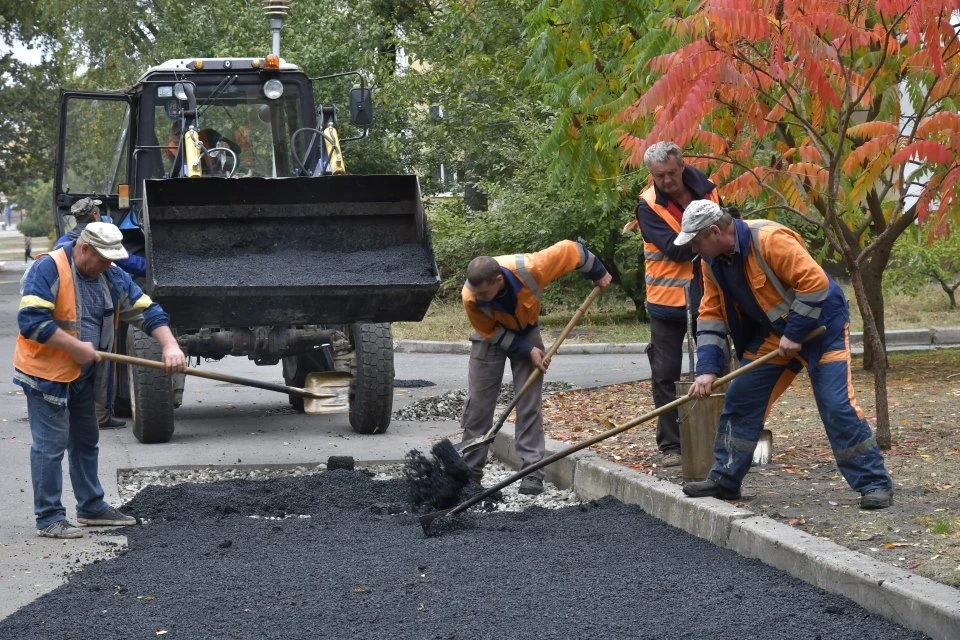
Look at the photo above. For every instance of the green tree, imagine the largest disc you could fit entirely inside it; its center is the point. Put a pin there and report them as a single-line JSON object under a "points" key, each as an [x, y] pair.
{"points": [[917, 260], [36, 203]]}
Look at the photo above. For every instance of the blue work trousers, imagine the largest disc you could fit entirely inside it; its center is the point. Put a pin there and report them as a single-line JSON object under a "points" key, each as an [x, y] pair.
{"points": [[72, 429], [749, 396]]}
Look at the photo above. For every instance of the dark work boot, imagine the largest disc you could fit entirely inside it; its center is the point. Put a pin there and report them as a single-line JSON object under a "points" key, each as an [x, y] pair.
{"points": [[531, 486], [709, 489], [876, 499]]}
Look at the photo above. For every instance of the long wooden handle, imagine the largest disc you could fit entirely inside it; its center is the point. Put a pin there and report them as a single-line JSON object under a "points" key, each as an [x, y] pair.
{"points": [[533, 377], [619, 429], [221, 377]]}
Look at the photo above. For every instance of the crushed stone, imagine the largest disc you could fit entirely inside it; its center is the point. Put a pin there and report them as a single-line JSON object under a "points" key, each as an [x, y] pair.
{"points": [[449, 405]]}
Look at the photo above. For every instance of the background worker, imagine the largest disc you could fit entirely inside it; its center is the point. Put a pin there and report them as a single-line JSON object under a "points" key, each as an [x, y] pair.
{"points": [[502, 300], [69, 299], [669, 269], [85, 211], [764, 288]]}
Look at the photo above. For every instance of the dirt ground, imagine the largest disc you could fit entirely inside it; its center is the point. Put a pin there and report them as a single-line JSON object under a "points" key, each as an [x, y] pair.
{"points": [[801, 486]]}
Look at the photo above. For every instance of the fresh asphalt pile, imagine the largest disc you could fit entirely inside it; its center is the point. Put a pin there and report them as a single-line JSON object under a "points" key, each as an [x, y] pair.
{"points": [[337, 555], [324, 266]]}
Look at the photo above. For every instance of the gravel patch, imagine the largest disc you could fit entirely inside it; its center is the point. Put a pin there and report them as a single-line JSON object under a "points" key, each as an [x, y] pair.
{"points": [[359, 567], [449, 405]]}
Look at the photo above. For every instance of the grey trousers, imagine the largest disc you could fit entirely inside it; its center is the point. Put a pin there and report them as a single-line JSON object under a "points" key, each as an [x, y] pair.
{"points": [[483, 386]]}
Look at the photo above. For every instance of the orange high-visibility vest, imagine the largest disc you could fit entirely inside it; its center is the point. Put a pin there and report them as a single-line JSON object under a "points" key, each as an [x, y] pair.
{"points": [[38, 359], [665, 278]]}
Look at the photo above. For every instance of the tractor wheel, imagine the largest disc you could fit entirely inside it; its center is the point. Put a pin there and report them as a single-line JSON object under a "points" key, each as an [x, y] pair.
{"points": [[371, 392], [151, 392]]}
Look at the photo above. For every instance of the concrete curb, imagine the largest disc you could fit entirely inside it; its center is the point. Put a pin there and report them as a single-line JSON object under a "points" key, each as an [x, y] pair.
{"points": [[910, 600], [896, 340]]}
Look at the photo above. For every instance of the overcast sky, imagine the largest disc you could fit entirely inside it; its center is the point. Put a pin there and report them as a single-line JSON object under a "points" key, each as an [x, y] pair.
{"points": [[30, 56]]}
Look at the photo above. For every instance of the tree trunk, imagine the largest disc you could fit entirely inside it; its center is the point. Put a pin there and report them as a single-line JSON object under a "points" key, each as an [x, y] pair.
{"points": [[872, 275], [874, 346]]}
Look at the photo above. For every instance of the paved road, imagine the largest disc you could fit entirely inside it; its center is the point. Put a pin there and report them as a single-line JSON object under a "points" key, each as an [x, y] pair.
{"points": [[220, 424]]}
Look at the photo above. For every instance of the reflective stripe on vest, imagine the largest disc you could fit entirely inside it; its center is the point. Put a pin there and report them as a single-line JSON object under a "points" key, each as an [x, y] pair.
{"points": [[665, 278], [39, 360], [783, 308], [526, 276]]}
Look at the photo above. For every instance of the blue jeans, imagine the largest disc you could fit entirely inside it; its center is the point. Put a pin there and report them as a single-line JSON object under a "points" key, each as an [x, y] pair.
{"points": [[73, 429], [749, 396]]}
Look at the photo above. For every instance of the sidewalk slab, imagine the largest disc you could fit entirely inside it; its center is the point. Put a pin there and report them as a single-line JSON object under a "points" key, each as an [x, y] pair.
{"points": [[910, 600]]}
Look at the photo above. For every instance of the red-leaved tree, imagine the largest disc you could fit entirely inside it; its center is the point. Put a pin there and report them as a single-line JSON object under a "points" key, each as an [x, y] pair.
{"points": [[843, 113]]}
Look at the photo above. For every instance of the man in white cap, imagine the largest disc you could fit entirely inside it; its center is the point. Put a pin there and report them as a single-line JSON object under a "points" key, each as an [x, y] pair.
{"points": [[85, 211], [70, 300], [762, 287]]}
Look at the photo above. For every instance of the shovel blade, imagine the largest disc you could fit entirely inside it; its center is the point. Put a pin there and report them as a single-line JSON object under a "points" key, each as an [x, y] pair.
{"points": [[334, 385], [764, 450], [469, 445], [428, 518]]}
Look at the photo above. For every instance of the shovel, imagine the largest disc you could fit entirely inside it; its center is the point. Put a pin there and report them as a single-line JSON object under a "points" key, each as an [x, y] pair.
{"points": [[325, 393], [470, 445], [427, 519]]}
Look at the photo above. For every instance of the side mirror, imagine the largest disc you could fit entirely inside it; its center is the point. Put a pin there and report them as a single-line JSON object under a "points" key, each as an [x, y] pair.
{"points": [[361, 107]]}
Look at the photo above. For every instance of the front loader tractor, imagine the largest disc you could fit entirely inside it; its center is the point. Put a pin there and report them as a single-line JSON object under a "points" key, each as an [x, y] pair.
{"points": [[229, 179]]}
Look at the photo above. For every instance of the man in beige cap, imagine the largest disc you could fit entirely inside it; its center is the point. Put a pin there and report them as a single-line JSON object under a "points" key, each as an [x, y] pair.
{"points": [[70, 301], [762, 286], [85, 211]]}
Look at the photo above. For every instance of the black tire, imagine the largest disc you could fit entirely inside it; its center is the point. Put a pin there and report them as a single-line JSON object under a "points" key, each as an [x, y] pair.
{"points": [[296, 368], [371, 392], [151, 392]]}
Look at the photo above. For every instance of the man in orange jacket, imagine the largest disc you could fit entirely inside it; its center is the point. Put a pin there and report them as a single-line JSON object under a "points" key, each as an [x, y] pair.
{"points": [[669, 271], [502, 300], [69, 301], [763, 288]]}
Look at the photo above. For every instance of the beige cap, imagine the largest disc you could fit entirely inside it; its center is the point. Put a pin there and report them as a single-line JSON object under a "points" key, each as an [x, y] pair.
{"points": [[698, 215], [106, 239]]}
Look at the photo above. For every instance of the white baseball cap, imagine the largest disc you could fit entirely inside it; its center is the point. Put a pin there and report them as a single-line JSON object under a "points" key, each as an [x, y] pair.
{"points": [[698, 215], [106, 239]]}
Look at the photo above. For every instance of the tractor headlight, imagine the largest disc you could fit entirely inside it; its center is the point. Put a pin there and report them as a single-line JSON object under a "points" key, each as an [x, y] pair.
{"points": [[273, 89]]}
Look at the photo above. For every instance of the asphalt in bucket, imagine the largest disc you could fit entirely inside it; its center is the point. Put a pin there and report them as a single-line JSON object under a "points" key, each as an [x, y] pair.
{"points": [[335, 555]]}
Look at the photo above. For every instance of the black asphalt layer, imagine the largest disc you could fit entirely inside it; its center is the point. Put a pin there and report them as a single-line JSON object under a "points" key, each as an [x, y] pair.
{"points": [[360, 568]]}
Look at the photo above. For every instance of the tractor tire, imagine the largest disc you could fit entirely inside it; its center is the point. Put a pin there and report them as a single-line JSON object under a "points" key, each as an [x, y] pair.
{"points": [[296, 368], [371, 392], [151, 392]]}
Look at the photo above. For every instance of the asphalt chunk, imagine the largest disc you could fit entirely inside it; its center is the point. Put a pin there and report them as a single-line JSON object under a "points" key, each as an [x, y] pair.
{"points": [[317, 561]]}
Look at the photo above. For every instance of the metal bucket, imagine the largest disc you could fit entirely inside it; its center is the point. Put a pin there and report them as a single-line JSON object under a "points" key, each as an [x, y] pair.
{"points": [[698, 431]]}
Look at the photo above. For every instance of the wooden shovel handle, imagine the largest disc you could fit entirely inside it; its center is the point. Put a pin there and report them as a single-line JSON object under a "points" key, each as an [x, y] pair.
{"points": [[221, 377]]}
